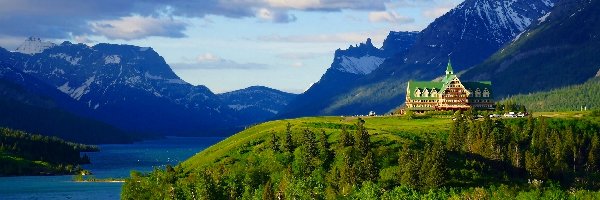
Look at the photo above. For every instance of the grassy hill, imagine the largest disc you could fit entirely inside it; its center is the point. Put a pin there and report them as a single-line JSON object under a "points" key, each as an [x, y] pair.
{"points": [[382, 129], [570, 98], [424, 156]]}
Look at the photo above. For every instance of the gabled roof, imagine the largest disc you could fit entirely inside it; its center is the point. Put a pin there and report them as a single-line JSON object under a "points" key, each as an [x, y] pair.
{"points": [[413, 85], [481, 85]]}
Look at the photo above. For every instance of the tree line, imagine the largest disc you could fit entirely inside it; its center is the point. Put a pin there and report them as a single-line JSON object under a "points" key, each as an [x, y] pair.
{"points": [[477, 158], [563, 150], [19, 150]]}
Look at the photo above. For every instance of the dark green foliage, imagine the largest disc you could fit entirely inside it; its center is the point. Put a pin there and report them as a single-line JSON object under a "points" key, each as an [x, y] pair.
{"points": [[345, 138], [26, 154], [491, 159], [274, 143], [288, 143], [570, 98], [361, 138]]}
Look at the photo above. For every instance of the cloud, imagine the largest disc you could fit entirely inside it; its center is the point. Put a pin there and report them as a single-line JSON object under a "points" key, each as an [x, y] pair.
{"points": [[212, 62], [390, 17], [302, 55], [138, 27], [275, 16], [60, 19], [207, 57], [297, 64], [349, 37], [437, 11]]}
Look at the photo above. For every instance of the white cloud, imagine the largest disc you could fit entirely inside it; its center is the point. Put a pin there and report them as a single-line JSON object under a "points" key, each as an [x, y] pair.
{"points": [[437, 11], [350, 37], [207, 57], [297, 64], [137, 27], [389, 16], [274, 16], [214, 62]]}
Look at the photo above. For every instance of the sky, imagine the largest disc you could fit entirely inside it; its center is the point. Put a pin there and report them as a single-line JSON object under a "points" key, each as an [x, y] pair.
{"points": [[224, 44]]}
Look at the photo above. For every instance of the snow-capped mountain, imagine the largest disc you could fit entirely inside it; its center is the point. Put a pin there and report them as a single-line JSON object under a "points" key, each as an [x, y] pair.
{"points": [[127, 86], [471, 32], [34, 45], [28, 104], [257, 103], [348, 68], [361, 59], [559, 50], [468, 34]]}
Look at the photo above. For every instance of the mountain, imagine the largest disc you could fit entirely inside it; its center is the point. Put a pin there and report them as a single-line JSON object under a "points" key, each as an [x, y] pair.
{"points": [[257, 103], [30, 105], [34, 45], [348, 68], [468, 34], [570, 98], [126, 86], [561, 49], [134, 89]]}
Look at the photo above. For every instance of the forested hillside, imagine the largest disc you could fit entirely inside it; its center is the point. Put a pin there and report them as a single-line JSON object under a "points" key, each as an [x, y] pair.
{"points": [[26, 154], [570, 98], [415, 156]]}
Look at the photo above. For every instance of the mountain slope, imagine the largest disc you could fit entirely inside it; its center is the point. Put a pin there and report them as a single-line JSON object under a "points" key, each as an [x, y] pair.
{"points": [[28, 104], [348, 68], [562, 49], [468, 34], [257, 103], [570, 98], [127, 86]]}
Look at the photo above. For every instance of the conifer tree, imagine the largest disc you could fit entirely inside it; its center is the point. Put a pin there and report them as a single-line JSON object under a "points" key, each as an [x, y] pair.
{"points": [[311, 143], [345, 138], [325, 153], [274, 143], [288, 144], [362, 138], [410, 164], [268, 193], [433, 170], [456, 136], [593, 159], [368, 168]]}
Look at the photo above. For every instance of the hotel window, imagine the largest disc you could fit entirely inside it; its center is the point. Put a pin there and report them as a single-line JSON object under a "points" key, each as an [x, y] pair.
{"points": [[486, 93]]}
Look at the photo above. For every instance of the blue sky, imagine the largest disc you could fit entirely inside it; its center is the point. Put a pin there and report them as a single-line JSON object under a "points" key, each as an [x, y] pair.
{"points": [[224, 44]]}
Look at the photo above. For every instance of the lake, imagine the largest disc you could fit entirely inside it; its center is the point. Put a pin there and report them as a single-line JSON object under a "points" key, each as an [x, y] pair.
{"points": [[113, 160]]}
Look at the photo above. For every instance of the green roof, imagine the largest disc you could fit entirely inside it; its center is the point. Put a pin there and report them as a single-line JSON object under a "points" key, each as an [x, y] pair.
{"points": [[413, 85], [449, 67], [441, 85], [481, 85]]}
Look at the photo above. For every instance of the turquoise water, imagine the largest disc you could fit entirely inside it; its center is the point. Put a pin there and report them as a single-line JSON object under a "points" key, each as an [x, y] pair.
{"points": [[115, 160]]}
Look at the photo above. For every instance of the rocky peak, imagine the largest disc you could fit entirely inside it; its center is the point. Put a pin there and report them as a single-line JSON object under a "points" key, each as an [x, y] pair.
{"points": [[34, 45]]}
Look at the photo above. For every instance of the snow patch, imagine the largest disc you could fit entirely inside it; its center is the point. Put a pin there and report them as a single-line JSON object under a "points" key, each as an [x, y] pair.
{"points": [[238, 107], [176, 81], [77, 93], [112, 59], [34, 45], [68, 58], [543, 18], [272, 111], [150, 76], [144, 48], [363, 65]]}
